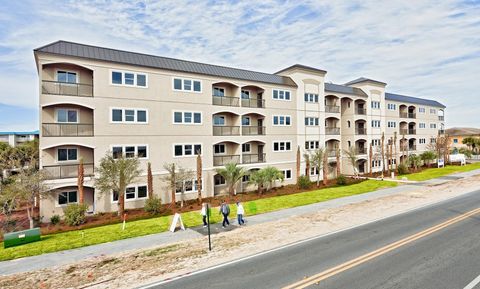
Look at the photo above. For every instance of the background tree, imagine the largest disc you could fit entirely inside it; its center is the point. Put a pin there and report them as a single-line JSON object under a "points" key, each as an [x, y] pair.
{"points": [[149, 180], [427, 157], [472, 142], [115, 174], [316, 160], [232, 174], [351, 155], [80, 180]]}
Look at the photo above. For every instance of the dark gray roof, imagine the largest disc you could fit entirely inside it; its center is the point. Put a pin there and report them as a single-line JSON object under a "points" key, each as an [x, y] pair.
{"points": [[344, 89], [301, 66], [363, 79], [411, 99], [112, 55]]}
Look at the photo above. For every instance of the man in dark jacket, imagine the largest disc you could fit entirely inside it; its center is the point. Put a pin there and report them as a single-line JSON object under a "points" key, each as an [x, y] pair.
{"points": [[225, 211]]}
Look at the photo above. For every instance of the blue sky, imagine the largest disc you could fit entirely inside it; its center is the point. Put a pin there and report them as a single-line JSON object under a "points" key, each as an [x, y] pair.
{"points": [[421, 48]]}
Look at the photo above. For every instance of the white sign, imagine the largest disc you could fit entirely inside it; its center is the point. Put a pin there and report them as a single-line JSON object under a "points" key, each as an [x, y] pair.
{"points": [[176, 218], [458, 158], [441, 163]]}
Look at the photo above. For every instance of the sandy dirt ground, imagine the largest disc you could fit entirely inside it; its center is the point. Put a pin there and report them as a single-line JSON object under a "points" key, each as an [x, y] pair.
{"points": [[131, 269]]}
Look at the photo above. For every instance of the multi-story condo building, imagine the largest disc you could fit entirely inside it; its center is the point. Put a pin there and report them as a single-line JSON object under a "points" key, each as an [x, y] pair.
{"points": [[96, 100]]}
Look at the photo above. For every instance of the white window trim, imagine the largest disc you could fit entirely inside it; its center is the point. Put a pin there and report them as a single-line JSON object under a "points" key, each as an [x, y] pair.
{"points": [[190, 192], [284, 174], [132, 145], [183, 150], [191, 79], [59, 108], [213, 88], [422, 108], [71, 71], [273, 122], [218, 154], [57, 205], [284, 90], [249, 148], [136, 194], [220, 185], [67, 161], [281, 151], [183, 118], [135, 85], [123, 115]]}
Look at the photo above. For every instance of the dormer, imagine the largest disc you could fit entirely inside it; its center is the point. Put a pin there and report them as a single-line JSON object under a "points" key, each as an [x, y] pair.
{"points": [[369, 86]]}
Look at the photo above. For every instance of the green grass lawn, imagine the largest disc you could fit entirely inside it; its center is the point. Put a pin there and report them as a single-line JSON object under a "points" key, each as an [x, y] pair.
{"points": [[438, 172], [108, 233]]}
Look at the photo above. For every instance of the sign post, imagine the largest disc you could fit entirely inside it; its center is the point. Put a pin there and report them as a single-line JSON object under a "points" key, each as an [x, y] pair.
{"points": [[208, 226]]}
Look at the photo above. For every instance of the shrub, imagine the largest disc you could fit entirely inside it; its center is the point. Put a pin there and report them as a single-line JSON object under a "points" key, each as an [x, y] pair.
{"points": [[303, 182], [341, 180], [75, 214], [402, 169], [55, 219], [153, 205]]}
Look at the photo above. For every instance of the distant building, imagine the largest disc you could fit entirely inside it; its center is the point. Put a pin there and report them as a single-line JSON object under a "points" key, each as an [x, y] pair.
{"points": [[15, 138], [457, 134]]}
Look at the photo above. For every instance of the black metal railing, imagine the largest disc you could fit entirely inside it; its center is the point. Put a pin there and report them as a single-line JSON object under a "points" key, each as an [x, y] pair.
{"points": [[67, 171], [360, 130], [226, 130], [361, 151], [253, 102], [253, 130], [254, 158], [361, 111], [67, 129], [412, 131], [225, 159], [332, 130], [225, 100], [66, 88], [332, 108]]}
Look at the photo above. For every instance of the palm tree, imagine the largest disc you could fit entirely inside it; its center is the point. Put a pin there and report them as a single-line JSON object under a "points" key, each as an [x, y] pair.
{"points": [[352, 158], [395, 146], [259, 179], [176, 178], [337, 155], [298, 162], [272, 174], [370, 154], [80, 179], [149, 180], [383, 153], [115, 174], [199, 177], [316, 159], [232, 174], [306, 156], [427, 157]]}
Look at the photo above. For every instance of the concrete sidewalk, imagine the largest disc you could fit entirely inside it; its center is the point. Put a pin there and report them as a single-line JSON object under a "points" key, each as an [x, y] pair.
{"points": [[70, 256]]}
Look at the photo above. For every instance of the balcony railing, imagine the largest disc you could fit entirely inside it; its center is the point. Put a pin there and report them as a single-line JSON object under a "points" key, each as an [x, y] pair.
{"points": [[225, 159], [412, 131], [253, 102], [331, 153], [226, 130], [225, 100], [408, 115], [332, 130], [67, 129], [403, 131], [254, 158], [332, 108], [65, 88], [361, 111], [412, 147], [67, 171], [361, 151], [360, 131], [441, 117], [253, 130]]}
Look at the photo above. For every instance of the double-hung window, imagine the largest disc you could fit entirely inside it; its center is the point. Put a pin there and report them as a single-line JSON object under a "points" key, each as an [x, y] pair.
{"points": [[66, 76], [67, 154], [375, 104], [185, 84], [282, 146], [129, 115], [185, 150], [129, 78], [311, 97], [67, 115], [130, 151], [311, 121], [281, 120], [65, 198], [279, 94], [375, 123]]}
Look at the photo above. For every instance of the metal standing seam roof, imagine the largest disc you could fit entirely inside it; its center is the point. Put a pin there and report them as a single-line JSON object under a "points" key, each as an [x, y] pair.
{"points": [[112, 55], [411, 99]]}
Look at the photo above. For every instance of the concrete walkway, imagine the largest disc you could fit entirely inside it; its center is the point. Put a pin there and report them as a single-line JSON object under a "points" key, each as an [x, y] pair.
{"points": [[69, 256]]}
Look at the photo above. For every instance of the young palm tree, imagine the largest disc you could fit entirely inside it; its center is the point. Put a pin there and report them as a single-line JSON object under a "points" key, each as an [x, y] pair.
{"points": [[115, 174], [272, 174], [259, 179], [383, 152], [316, 159], [149, 180], [395, 148], [298, 162], [370, 154], [352, 158], [80, 179], [199, 178], [337, 155], [232, 174]]}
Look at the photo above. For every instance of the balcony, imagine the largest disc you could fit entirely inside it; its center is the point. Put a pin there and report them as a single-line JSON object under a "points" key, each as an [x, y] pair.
{"points": [[332, 108], [331, 153], [412, 147], [66, 88], [225, 100], [361, 151], [253, 102], [253, 130], [254, 158], [67, 171], [408, 115], [332, 130], [360, 131], [412, 131], [225, 130], [441, 118], [67, 129], [225, 159], [361, 111]]}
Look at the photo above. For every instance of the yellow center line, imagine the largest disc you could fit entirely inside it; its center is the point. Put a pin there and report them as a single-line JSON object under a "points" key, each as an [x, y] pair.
{"points": [[383, 250]]}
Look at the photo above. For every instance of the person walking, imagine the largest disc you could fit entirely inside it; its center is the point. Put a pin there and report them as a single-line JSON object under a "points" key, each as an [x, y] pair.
{"points": [[240, 213], [203, 212], [225, 211]]}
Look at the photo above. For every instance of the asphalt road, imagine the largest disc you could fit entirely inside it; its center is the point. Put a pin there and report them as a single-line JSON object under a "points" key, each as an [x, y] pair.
{"points": [[448, 258]]}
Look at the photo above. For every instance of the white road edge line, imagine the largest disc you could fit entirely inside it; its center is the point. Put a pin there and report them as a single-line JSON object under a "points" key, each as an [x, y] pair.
{"points": [[168, 280], [473, 283]]}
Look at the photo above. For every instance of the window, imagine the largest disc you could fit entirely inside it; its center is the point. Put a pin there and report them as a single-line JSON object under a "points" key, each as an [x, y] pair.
{"points": [[391, 124], [142, 192], [433, 140], [433, 111], [281, 146], [67, 115], [421, 141], [455, 140], [375, 142], [287, 174], [376, 123], [65, 154], [218, 91], [132, 193], [279, 120], [185, 150], [245, 148], [391, 106], [245, 178], [189, 85], [433, 125], [311, 97], [281, 94], [245, 94], [421, 109], [312, 144], [245, 120], [187, 117], [219, 180], [67, 76], [218, 120], [421, 125], [130, 151], [375, 104], [219, 149], [189, 186], [129, 115], [313, 171], [311, 121], [65, 198], [129, 78]]}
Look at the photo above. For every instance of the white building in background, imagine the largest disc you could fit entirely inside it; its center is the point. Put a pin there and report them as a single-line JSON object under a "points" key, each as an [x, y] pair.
{"points": [[14, 138]]}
